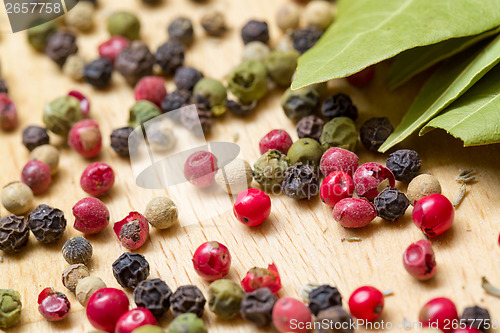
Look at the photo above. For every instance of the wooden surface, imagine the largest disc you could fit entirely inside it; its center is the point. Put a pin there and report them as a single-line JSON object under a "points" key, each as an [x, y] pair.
{"points": [[300, 237]]}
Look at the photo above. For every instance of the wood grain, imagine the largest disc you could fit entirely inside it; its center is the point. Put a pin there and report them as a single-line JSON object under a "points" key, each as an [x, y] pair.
{"points": [[300, 237]]}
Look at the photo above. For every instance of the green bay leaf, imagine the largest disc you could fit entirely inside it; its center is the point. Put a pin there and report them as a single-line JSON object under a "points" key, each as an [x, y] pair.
{"points": [[448, 83], [475, 116], [367, 32]]}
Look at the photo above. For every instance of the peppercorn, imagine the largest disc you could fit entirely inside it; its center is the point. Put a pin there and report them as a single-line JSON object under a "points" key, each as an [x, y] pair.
{"points": [[77, 250], [53, 305], [86, 287], [85, 138], [84, 102], [304, 39], [97, 179], [339, 105], [186, 78], [175, 100], [419, 260], [153, 295], [339, 132], [306, 289], [391, 204], [257, 306], [374, 132], [146, 328], [255, 51], [422, 186], [60, 46], [300, 182], [476, 317], [8, 113], [276, 139], [269, 170], [132, 231], [113, 47], [193, 118], [404, 164], [170, 56], [235, 176], [281, 66], [214, 23], [72, 274], [135, 62], [34, 136], [248, 81], [318, 14], [239, 109], [61, 114], [141, 112], [130, 269], [17, 198], [188, 299], [299, 103], [10, 307], [187, 323], [213, 91], [14, 233], [369, 177], [98, 73], [255, 30], [324, 297], [160, 136], [289, 314], [288, 17], [119, 140], [47, 154], [91, 215], [39, 34], [181, 30], [224, 298], [306, 151], [161, 213], [310, 127], [47, 223], [36, 175], [81, 16], [124, 24], [3, 86], [334, 320], [74, 66]]}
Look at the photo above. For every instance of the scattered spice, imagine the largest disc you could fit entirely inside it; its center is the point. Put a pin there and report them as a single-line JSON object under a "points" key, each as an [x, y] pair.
{"points": [[10, 308], [336, 186], [73, 274], [130, 269], [132, 231], [212, 94], [85, 138], [339, 105], [269, 170], [339, 132], [255, 51], [161, 213], [419, 260], [248, 81], [307, 151], [193, 118], [318, 14], [323, 297], [338, 159], [460, 195], [240, 109], [281, 65], [257, 306], [276, 139], [153, 295], [188, 299], [405, 164], [437, 312], [81, 16], [105, 307], [300, 182], [60, 45], [91, 215], [310, 127], [354, 212], [214, 23], [288, 312], [38, 35], [187, 322], [53, 305], [255, 30], [212, 261], [8, 113], [47, 154], [304, 39], [476, 317], [36, 175], [351, 239], [17, 198], [113, 47], [366, 303], [224, 298], [47, 224], [175, 100], [374, 132], [288, 17], [186, 78], [14, 233], [422, 186], [84, 102], [369, 177], [466, 176], [141, 112], [124, 24], [160, 136], [306, 289], [170, 56], [489, 288], [98, 72], [335, 317], [77, 250], [86, 287], [97, 179], [61, 114], [119, 140], [391, 204], [235, 176], [133, 319], [200, 168], [34, 136], [299, 103], [135, 62], [257, 278], [181, 30], [433, 214]]}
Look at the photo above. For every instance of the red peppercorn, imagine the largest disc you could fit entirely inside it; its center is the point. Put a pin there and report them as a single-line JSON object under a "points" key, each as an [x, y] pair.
{"points": [[113, 47], [36, 175], [276, 139], [354, 212], [212, 261], [368, 177], [8, 113], [366, 303], [132, 231], [252, 207], [84, 102], [363, 78], [439, 312], [433, 214], [419, 260], [338, 159], [105, 307], [133, 319], [151, 88], [291, 315], [97, 178], [262, 278], [53, 305], [91, 215], [85, 138], [336, 186], [200, 168]]}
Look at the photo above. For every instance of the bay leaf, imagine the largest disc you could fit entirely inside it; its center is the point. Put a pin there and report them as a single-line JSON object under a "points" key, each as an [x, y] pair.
{"points": [[449, 82], [416, 60], [367, 32], [475, 116]]}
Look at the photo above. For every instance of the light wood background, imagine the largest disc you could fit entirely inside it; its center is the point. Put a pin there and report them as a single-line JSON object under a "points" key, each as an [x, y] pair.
{"points": [[300, 237]]}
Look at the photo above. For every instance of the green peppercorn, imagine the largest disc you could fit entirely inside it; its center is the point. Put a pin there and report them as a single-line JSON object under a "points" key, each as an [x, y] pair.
{"points": [[10, 308], [213, 91], [269, 170], [148, 329], [187, 323], [141, 112], [124, 24], [248, 81], [39, 34], [281, 65], [339, 132], [224, 298], [300, 103], [307, 150], [61, 114]]}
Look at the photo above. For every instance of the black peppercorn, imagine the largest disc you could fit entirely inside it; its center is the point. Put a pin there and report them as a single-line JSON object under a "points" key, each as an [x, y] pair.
{"points": [[77, 250], [339, 105], [239, 108], [257, 306], [60, 46], [135, 62], [299, 103], [334, 320], [34, 136], [186, 78], [170, 56], [47, 223], [14, 233], [130, 269], [323, 297], [255, 31], [391, 204], [188, 299], [301, 182], [174, 101], [404, 164], [310, 127], [476, 317], [3, 86], [98, 72], [181, 30], [153, 295], [304, 39], [374, 132], [191, 119], [119, 140]]}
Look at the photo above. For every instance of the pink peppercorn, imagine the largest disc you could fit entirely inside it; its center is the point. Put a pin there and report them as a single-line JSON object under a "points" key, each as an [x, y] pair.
{"points": [[8, 113], [433, 214], [84, 102], [439, 313], [363, 78], [133, 319], [85, 138], [262, 278], [36, 175], [368, 177], [97, 178], [212, 261], [252, 207], [354, 212], [53, 305], [151, 88], [336, 186], [200, 168], [366, 303], [291, 315], [276, 139], [338, 159], [419, 260], [91, 215], [113, 47], [132, 231], [105, 307]]}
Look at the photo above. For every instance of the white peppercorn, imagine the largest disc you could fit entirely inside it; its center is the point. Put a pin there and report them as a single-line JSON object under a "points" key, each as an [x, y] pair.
{"points": [[161, 213], [49, 155], [318, 14], [17, 198], [73, 67], [421, 186], [255, 51], [86, 287], [81, 16], [288, 17], [235, 176], [73, 274]]}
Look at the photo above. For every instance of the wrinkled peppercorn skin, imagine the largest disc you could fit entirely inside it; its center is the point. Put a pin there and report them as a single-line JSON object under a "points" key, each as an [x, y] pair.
{"points": [[119, 140], [304, 39], [77, 250], [269, 170], [153, 295], [34, 136], [135, 62], [98, 72], [188, 299], [374, 132], [299, 103], [476, 317], [10, 308], [47, 224], [224, 298], [257, 306], [339, 105], [191, 119], [60, 46], [14, 233], [130, 269], [310, 127], [335, 317], [255, 31], [339, 132], [324, 297], [181, 29], [187, 77], [301, 182], [170, 56], [405, 164], [391, 204]]}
